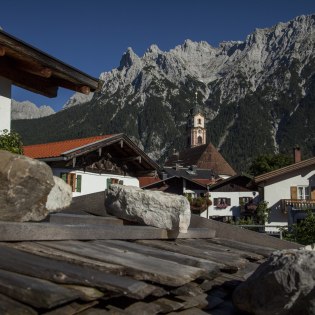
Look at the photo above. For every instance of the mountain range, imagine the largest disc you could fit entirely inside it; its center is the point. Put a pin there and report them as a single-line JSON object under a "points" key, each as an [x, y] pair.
{"points": [[257, 95]]}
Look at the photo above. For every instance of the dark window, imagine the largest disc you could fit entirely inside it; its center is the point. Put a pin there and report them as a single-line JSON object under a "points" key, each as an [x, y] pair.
{"points": [[199, 140]]}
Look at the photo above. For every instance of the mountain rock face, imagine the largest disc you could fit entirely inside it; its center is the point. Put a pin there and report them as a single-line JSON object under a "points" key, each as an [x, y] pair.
{"points": [[28, 110], [258, 96]]}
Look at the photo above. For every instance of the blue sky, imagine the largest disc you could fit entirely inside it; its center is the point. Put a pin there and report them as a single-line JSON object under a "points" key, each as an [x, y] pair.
{"points": [[92, 35]]}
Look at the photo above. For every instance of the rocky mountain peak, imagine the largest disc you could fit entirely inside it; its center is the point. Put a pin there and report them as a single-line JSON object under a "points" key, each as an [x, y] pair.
{"points": [[128, 58], [255, 93]]}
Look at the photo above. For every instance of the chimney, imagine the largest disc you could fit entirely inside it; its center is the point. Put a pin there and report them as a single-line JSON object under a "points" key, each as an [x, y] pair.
{"points": [[297, 154]]}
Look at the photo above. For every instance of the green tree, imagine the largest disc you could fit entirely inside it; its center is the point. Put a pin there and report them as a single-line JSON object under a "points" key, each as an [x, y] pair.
{"points": [[268, 162], [11, 141], [303, 232]]}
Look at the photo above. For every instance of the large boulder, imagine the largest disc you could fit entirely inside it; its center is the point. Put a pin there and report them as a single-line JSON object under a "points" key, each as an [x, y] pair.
{"points": [[283, 285], [155, 208], [25, 185]]}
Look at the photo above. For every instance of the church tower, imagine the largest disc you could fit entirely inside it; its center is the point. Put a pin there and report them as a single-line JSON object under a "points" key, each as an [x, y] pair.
{"points": [[196, 131]]}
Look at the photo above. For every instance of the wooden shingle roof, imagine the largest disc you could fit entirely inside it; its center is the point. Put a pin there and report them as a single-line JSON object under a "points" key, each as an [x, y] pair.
{"points": [[204, 156], [89, 265]]}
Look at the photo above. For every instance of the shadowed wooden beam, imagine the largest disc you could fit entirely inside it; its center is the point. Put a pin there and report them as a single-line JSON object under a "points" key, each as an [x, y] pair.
{"points": [[46, 72], [131, 158], [85, 90], [27, 80], [2, 51]]}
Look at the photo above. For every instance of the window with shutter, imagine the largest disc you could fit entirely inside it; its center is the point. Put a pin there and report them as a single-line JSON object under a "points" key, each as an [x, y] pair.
{"points": [[293, 191], [108, 182], [79, 183]]}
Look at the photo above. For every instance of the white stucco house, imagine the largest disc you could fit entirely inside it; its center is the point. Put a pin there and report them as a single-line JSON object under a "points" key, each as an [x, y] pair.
{"points": [[232, 198], [89, 165], [289, 191], [27, 67]]}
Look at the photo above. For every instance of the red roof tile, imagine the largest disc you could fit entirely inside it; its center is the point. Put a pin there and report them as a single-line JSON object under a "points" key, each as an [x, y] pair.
{"points": [[144, 181], [54, 149]]}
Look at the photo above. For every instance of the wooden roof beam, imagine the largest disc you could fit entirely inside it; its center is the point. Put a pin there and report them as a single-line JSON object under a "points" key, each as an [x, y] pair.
{"points": [[28, 52], [26, 80], [2, 51]]}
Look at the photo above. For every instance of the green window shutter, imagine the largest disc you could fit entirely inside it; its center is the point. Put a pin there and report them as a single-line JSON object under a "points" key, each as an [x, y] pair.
{"points": [[63, 176], [79, 181], [109, 182]]}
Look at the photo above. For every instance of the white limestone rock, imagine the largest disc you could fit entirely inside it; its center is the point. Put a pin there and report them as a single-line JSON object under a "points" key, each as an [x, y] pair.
{"points": [[285, 284], [155, 208], [60, 196]]}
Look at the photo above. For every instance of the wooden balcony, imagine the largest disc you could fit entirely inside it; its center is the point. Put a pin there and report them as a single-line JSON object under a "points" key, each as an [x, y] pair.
{"points": [[297, 204]]}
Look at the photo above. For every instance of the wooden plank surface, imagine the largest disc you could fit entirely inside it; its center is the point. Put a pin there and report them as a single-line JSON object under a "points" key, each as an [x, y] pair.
{"points": [[72, 309], [211, 267], [139, 266], [12, 231], [67, 273], [260, 250], [9, 306], [64, 218], [231, 262], [204, 244], [48, 252], [32, 291]]}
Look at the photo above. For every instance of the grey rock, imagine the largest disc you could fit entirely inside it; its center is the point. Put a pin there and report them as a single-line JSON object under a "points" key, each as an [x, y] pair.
{"points": [[284, 285], [154, 208], [25, 184], [60, 196]]}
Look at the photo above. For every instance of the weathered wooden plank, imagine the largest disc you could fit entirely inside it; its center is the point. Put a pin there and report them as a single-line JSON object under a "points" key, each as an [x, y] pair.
{"points": [[204, 244], [228, 258], [72, 309], [35, 292], [48, 252], [86, 294], [67, 273], [142, 308], [231, 262], [168, 305], [211, 267], [12, 231], [64, 218], [9, 306], [260, 250], [139, 266], [202, 301]]}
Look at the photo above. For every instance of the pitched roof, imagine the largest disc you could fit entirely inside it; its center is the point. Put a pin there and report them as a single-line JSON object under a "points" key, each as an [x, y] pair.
{"points": [[56, 149], [285, 170], [234, 182], [170, 179], [204, 156]]}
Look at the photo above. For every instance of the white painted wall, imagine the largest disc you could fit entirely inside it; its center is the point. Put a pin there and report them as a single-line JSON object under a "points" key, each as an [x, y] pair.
{"points": [[233, 209], [92, 182], [5, 104], [279, 189]]}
